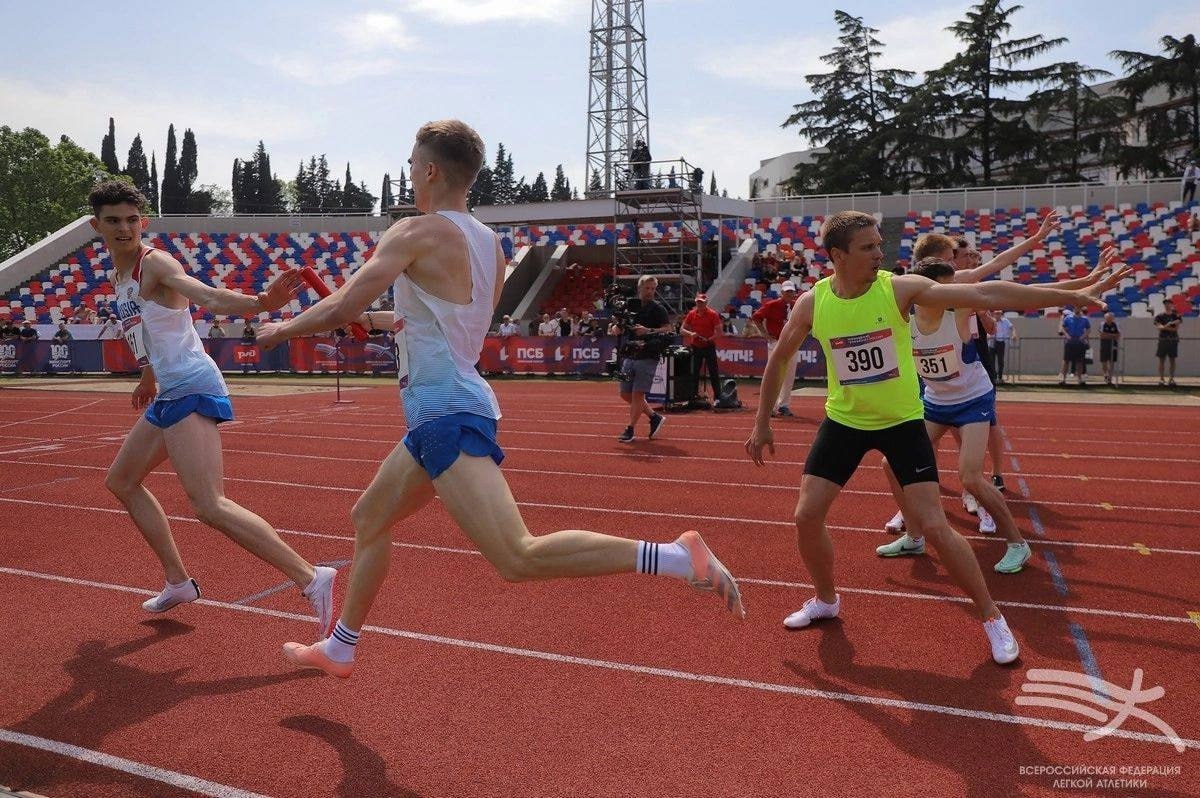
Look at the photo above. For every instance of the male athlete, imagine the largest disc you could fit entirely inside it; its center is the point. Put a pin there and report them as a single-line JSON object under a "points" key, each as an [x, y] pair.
{"points": [[959, 397], [859, 317], [185, 398], [446, 270]]}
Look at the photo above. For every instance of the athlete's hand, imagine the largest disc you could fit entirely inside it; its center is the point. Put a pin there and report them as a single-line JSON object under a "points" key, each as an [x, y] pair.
{"points": [[144, 393], [760, 437], [1050, 224], [281, 290], [271, 335], [1092, 294], [1108, 258]]}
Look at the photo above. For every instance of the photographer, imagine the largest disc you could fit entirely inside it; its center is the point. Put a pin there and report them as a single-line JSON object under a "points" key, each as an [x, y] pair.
{"points": [[702, 324], [645, 325]]}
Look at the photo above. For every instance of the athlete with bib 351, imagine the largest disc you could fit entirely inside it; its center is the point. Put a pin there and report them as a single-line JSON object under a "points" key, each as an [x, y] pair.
{"points": [[859, 316], [185, 398]]}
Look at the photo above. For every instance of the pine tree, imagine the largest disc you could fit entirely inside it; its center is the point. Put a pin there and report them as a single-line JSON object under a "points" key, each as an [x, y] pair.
{"points": [[385, 194], [268, 194], [188, 169], [170, 181], [108, 150], [136, 167], [482, 192], [712, 185], [595, 184], [538, 191], [235, 186], [153, 195], [328, 193], [1165, 129], [1077, 122], [562, 188], [504, 187], [522, 192], [405, 192]]}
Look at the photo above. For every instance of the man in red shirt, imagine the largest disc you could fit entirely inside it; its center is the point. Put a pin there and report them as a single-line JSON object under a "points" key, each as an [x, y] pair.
{"points": [[702, 324], [771, 316]]}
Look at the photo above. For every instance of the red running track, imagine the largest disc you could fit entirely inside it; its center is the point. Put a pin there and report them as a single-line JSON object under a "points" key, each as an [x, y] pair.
{"points": [[470, 686]]}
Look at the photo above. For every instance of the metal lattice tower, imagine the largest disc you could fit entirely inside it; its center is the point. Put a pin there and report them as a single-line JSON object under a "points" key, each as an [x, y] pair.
{"points": [[618, 112]]}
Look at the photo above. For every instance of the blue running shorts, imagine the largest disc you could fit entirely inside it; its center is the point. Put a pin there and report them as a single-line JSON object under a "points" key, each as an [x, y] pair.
{"points": [[436, 444], [165, 412], [972, 411]]}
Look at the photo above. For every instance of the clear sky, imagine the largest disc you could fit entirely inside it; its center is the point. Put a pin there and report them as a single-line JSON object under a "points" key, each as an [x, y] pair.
{"points": [[355, 79]]}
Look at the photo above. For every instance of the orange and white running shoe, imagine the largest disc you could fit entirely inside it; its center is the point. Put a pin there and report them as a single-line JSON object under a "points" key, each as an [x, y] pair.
{"points": [[314, 656], [707, 572]]}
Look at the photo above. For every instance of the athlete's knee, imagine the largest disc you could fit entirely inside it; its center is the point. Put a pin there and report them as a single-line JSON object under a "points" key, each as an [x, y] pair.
{"points": [[519, 562], [926, 522], [119, 484], [809, 518], [972, 479], [209, 509]]}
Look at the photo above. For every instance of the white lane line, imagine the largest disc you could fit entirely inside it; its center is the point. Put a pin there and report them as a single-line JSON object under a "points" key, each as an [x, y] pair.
{"points": [[617, 477], [139, 769], [51, 415], [646, 670], [1141, 616]]}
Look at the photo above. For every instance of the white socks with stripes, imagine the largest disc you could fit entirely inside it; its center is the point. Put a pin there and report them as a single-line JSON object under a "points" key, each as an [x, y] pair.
{"points": [[339, 646], [664, 559]]}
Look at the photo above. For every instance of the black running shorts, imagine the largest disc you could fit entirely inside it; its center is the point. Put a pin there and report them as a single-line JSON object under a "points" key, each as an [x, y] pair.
{"points": [[838, 449]]}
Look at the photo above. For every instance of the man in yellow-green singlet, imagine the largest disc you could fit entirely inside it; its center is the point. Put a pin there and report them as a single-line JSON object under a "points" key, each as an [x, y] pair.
{"points": [[860, 317]]}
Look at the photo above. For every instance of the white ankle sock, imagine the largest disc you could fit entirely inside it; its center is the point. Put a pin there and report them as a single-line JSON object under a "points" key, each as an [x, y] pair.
{"points": [[339, 646], [664, 559]]}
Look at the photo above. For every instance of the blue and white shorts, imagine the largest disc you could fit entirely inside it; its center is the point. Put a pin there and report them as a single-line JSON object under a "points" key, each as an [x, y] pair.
{"points": [[436, 444], [972, 411], [163, 413]]}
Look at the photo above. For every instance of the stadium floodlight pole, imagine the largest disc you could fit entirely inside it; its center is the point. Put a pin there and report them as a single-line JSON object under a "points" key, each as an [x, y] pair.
{"points": [[618, 110]]}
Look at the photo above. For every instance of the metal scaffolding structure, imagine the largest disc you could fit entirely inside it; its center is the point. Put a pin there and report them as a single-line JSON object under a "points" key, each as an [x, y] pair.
{"points": [[618, 111], [646, 196]]}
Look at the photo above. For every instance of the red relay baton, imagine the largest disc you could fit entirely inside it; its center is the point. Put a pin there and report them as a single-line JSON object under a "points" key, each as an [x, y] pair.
{"points": [[314, 282]]}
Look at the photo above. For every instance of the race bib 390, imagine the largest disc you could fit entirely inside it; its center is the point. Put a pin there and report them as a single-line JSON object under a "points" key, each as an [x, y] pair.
{"points": [[866, 358]]}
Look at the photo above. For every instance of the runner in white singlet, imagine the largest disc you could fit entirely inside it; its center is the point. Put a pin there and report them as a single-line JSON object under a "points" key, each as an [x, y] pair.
{"points": [[446, 272], [185, 398]]}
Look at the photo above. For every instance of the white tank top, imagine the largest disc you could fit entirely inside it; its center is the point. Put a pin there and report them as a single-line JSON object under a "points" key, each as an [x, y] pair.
{"points": [[949, 368], [167, 340], [439, 342]]}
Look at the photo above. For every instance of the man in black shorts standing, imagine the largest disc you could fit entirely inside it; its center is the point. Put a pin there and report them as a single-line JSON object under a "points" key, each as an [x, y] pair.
{"points": [[1075, 328], [1167, 323], [647, 322], [1110, 335]]}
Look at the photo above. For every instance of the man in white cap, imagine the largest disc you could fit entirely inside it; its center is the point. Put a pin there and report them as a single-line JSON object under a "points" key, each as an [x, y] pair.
{"points": [[770, 317]]}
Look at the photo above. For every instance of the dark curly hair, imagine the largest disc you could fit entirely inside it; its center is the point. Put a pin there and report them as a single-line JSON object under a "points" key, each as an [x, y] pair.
{"points": [[933, 268], [115, 192]]}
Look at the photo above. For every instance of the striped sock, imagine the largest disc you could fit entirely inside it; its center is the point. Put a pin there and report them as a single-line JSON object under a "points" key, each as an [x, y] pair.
{"points": [[665, 559], [339, 647]]}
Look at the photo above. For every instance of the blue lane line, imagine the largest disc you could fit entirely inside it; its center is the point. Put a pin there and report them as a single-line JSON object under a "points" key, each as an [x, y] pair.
{"points": [[1036, 520], [1056, 574], [262, 594], [1084, 649]]}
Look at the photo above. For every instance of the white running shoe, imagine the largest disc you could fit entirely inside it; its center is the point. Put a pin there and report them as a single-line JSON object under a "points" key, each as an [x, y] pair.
{"points": [[1014, 559], [903, 546], [1004, 645], [896, 525], [812, 610], [173, 595], [987, 524], [970, 504], [320, 594]]}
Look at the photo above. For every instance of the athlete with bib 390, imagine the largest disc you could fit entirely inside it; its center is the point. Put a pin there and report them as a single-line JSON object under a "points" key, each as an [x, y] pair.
{"points": [[185, 398], [446, 270], [859, 316]]}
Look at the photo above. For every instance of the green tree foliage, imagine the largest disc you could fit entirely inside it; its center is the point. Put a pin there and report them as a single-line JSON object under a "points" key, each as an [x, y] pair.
{"points": [[851, 115], [170, 183], [108, 149], [561, 189], [1077, 122], [1166, 127], [153, 195], [188, 171], [138, 170], [483, 191], [42, 186], [385, 194], [538, 192], [504, 184]]}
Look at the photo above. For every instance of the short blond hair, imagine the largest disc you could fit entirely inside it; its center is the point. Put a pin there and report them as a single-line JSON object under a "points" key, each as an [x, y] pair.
{"points": [[839, 229], [645, 278], [455, 147], [931, 244]]}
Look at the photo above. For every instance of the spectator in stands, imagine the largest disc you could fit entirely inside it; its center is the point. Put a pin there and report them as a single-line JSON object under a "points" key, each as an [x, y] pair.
{"points": [[1191, 174], [727, 327], [770, 317], [587, 324], [508, 327], [1168, 323], [248, 333], [62, 334], [565, 323], [102, 312], [1075, 329], [1110, 335], [770, 269], [1005, 332], [8, 330], [215, 330], [702, 324], [28, 333], [549, 327]]}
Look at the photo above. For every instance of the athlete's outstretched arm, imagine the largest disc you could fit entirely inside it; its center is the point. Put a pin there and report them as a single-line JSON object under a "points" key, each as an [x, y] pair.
{"points": [[161, 270], [1108, 257], [998, 294], [396, 252], [1009, 256]]}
